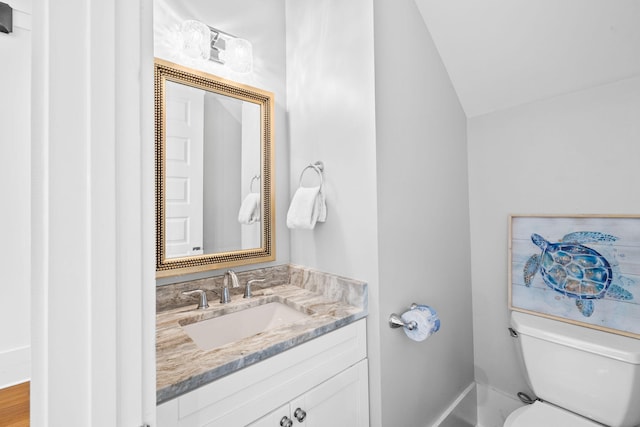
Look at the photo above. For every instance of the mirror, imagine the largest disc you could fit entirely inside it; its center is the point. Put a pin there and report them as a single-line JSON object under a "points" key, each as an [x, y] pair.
{"points": [[214, 172]]}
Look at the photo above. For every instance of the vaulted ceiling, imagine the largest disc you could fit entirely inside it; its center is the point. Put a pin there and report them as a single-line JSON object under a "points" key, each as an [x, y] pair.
{"points": [[503, 53]]}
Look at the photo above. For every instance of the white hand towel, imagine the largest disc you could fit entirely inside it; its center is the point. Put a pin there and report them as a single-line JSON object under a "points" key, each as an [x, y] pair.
{"points": [[308, 206], [250, 209]]}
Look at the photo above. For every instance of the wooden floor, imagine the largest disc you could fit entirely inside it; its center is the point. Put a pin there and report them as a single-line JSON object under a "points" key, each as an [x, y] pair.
{"points": [[14, 406]]}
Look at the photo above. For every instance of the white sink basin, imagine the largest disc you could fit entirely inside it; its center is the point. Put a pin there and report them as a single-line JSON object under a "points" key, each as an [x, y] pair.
{"points": [[218, 331]]}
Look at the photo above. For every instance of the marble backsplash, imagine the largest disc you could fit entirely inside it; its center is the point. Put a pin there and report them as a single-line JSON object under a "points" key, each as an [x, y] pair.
{"points": [[330, 286], [349, 291]]}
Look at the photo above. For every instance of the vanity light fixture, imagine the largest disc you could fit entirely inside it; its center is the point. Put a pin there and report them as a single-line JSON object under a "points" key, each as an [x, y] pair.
{"points": [[200, 41], [6, 18]]}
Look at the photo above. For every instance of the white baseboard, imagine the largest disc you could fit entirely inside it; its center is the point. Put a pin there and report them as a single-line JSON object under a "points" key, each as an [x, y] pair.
{"points": [[15, 366], [462, 408]]}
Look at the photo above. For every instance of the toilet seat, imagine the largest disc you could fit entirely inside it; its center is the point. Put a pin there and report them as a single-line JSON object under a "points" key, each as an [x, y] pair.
{"points": [[541, 414]]}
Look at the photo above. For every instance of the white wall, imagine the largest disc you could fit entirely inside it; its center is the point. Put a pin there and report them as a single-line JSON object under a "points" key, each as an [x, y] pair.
{"points": [[221, 230], [423, 223], [331, 118], [330, 97], [572, 154], [15, 186]]}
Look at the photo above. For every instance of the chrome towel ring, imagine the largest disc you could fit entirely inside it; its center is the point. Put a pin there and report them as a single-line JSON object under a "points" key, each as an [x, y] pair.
{"points": [[318, 167], [255, 178]]}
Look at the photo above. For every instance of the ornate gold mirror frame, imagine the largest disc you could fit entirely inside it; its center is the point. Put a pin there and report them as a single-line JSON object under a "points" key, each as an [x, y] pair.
{"points": [[167, 71]]}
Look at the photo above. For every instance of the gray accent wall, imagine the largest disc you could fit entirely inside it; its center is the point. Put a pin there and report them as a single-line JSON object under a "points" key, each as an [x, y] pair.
{"points": [[423, 218]]}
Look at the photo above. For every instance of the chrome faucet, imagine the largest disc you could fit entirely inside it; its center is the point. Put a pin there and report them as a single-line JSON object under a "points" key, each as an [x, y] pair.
{"points": [[224, 295], [203, 303], [247, 288]]}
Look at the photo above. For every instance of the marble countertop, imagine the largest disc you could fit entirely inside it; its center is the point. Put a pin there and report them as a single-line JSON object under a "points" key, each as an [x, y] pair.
{"points": [[330, 301]]}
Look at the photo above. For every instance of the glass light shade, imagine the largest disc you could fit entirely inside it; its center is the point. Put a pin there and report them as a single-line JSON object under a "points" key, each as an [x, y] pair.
{"points": [[239, 55], [196, 39]]}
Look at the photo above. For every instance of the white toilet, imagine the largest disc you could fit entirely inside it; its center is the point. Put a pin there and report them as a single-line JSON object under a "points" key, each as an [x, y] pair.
{"points": [[584, 377]]}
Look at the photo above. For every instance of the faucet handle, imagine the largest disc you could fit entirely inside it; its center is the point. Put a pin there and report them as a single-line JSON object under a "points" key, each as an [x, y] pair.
{"points": [[247, 288], [203, 303], [224, 295]]}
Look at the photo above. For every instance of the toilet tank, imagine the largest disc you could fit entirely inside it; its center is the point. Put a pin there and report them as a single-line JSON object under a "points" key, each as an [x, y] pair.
{"points": [[593, 373]]}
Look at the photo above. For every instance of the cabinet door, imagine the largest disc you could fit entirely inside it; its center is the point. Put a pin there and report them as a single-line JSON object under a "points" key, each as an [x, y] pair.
{"points": [[276, 418], [167, 414], [341, 401]]}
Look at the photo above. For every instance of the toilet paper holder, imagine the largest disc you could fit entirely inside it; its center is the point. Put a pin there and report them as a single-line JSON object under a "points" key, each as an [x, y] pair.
{"points": [[395, 321]]}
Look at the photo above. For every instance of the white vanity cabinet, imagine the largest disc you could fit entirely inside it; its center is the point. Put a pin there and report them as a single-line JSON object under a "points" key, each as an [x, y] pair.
{"points": [[341, 401], [325, 377]]}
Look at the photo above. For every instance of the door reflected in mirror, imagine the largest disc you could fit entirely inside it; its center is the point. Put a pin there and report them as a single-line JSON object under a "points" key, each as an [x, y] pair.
{"points": [[223, 133], [214, 142]]}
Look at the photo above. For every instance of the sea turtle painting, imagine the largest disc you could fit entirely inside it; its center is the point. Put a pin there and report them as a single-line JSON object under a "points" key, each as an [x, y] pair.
{"points": [[575, 270]]}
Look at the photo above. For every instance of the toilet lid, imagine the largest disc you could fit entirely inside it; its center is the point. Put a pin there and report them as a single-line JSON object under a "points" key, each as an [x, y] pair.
{"points": [[544, 414]]}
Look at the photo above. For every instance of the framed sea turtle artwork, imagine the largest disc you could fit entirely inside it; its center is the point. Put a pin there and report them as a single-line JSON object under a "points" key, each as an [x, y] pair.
{"points": [[582, 269]]}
